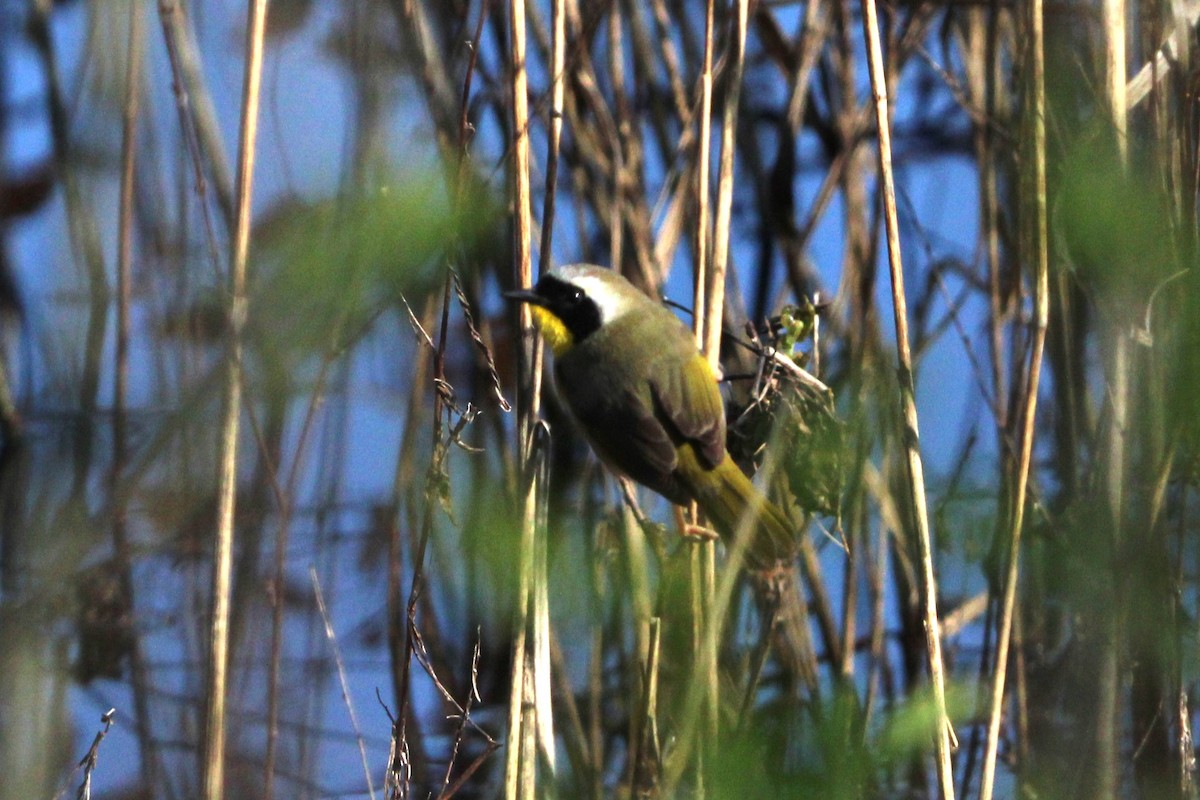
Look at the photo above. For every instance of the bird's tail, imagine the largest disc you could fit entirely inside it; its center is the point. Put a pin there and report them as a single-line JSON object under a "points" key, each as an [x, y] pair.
{"points": [[732, 503]]}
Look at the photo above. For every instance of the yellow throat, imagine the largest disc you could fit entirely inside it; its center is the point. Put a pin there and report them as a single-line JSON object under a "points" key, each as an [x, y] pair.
{"points": [[553, 330]]}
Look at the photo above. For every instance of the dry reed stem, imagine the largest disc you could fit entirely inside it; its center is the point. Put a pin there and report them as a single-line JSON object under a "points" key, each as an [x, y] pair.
{"points": [[911, 442], [714, 309], [1112, 15], [646, 754], [216, 688], [984, 84], [670, 57], [1013, 555], [558, 46], [1029, 411], [519, 772], [701, 239], [529, 395], [540, 601], [706, 318]]}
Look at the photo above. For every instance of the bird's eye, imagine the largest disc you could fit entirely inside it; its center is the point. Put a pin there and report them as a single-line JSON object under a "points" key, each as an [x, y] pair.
{"points": [[575, 296]]}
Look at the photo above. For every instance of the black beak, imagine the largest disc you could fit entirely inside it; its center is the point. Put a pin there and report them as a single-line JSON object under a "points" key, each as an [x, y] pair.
{"points": [[525, 296]]}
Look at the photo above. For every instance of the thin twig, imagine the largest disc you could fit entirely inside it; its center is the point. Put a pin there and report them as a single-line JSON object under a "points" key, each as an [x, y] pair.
{"points": [[284, 494], [340, 663], [464, 718], [89, 760]]}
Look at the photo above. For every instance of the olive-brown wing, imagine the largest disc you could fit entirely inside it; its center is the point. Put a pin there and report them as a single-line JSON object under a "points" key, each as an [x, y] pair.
{"points": [[688, 404], [627, 435]]}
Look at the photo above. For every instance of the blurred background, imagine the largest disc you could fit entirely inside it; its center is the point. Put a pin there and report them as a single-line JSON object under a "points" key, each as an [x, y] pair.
{"points": [[377, 531]]}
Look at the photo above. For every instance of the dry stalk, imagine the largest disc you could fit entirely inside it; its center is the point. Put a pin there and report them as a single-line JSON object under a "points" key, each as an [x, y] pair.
{"points": [[1028, 414], [540, 600], [520, 763], [670, 57], [720, 254], [707, 317], [1029, 410], [646, 749], [217, 685], [529, 391], [401, 762], [558, 46], [911, 443], [398, 634], [701, 239]]}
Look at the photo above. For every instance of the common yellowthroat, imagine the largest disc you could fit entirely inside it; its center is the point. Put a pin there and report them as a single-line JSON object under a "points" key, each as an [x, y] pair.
{"points": [[647, 400]]}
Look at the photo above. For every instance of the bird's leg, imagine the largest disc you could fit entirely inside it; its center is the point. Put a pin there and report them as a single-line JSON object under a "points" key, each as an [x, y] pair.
{"points": [[690, 531]]}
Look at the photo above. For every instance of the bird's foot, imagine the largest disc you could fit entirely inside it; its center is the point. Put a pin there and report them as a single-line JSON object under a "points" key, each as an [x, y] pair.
{"points": [[692, 532], [698, 533]]}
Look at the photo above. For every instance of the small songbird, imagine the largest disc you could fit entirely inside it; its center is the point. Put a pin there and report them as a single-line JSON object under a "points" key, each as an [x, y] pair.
{"points": [[647, 401]]}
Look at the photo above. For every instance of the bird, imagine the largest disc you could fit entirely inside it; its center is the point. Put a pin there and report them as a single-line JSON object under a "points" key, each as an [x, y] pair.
{"points": [[647, 401]]}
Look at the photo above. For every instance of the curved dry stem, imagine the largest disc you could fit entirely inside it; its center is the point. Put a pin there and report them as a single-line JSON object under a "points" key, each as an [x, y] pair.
{"points": [[908, 404], [1029, 410]]}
